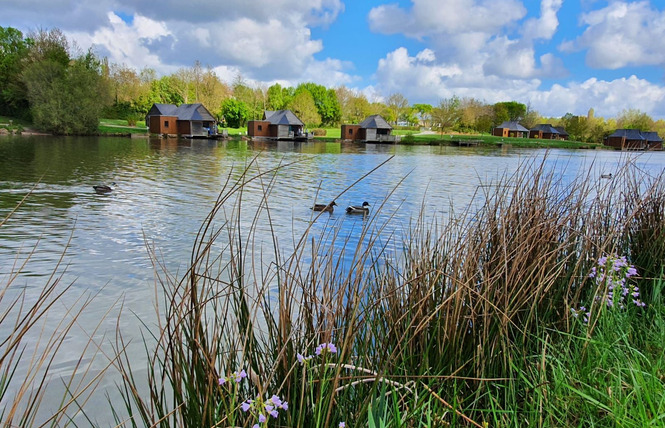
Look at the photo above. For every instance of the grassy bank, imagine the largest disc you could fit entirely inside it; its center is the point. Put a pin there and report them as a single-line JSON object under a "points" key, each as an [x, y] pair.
{"points": [[510, 313]]}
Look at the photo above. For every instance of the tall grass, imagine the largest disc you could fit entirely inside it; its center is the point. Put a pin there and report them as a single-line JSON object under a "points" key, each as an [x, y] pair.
{"points": [[469, 324]]}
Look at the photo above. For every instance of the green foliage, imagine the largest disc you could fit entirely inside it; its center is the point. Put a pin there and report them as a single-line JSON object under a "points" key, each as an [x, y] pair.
{"points": [[303, 106], [325, 100], [235, 113], [13, 94], [509, 110], [65, 97], [635, 119], [576, 126], [276, 98], [447, 114]]}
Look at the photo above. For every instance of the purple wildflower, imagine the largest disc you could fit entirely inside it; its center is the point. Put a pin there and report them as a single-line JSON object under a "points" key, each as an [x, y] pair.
{"points": [[330, 347], [342, 425], [246, 406], [238, 376], [262, 418], [221, 381]]}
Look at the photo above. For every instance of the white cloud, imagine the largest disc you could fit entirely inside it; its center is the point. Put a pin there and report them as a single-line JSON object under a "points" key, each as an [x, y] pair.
{"points": [[420, 74], [430, 17], [608, 98], [466, 32], [544, 27], [516, 59], [310, 12], [261, 40], [426, 81], [125, 43], [620, 35]]}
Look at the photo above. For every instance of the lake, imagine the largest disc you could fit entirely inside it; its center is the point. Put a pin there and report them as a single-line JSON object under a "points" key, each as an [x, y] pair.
{"points": [[165, 189]]}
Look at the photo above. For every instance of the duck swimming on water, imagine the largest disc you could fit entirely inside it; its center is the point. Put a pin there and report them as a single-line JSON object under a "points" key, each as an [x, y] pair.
{"points": [[356, 209], [324, 207], [103, 188]]}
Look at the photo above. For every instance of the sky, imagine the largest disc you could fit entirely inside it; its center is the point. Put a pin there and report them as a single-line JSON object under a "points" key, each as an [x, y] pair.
{"points": [[557, 56]]}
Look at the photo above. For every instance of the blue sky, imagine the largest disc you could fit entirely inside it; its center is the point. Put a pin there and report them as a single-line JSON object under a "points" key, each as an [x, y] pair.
{"points": [[558, 56]]}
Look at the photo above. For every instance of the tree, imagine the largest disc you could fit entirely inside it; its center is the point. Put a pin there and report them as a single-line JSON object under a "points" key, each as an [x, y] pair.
{"points": [[508, 111], [276, 97], [634, 119], [13, 93], [303, 106], [66, 97], [424, 113], [213, 92], [576, 126], [325, 100], [531, 118], [235, 112], [398, 104], [447, 114]]}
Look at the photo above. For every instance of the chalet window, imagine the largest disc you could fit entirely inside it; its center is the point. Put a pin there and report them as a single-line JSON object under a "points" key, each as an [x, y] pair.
{"points": [[166, 124], [350, 131], [260, 127]]}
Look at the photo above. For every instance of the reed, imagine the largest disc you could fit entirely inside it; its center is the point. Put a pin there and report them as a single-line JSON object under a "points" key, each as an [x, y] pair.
{"points": [[457, 328]]}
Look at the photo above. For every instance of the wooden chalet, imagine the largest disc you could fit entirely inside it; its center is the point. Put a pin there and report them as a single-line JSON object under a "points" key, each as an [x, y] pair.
{"points": [[373, 129], [187, 120], [544, 132], [654, 142], [278, 125], [627, 139], [510, 129], [563, 135]]}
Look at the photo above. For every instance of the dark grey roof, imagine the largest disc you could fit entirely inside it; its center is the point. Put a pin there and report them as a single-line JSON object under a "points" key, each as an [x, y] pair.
{"points": [[283, 117], [546, 128], [630, 134], [194, 112], [561, 130], [163, 110], [513, 126], [375, 122], [652, 137]]}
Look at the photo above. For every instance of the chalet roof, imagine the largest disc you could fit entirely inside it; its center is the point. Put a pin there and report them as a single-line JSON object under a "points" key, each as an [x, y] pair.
{"points": [[194, 112], [630, 134], [163, 110], [513, 126], [375, 122], [283, 117], [561, 130], [546, 127], [652, 136]]}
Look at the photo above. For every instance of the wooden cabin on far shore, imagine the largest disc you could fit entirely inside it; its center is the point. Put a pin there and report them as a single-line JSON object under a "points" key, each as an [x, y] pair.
{"points": [[374, 129], [634, 139], [278, 125], [187, 120], [510, 129]]}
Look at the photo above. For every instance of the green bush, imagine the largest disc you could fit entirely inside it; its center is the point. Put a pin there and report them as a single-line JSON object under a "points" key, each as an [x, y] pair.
{"points": [[318, 132]]}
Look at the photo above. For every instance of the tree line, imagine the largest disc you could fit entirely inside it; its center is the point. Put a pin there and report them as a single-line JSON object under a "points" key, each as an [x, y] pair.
{"points": [[65, 91]]}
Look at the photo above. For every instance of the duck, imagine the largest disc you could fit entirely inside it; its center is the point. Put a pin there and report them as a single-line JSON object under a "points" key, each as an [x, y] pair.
{"points": [[324, 207], [606, 175], [103, 188], [355, 209]]}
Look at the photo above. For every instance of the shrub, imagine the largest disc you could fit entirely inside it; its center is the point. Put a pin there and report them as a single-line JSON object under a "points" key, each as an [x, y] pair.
{"points": [[318, 132]]}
